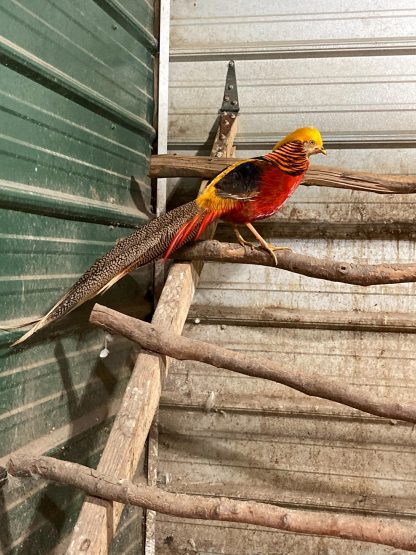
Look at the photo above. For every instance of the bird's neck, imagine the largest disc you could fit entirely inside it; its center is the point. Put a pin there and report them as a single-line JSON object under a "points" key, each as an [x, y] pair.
{"points": [[291, 158]]}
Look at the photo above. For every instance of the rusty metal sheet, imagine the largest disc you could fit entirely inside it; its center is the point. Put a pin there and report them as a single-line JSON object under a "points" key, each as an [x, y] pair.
{"points": [[225, 434], [347, 67]]}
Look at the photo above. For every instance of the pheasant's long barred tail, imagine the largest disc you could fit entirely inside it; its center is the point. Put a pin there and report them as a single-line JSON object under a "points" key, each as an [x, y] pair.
{"points": [[244, 192], [148, 243]]}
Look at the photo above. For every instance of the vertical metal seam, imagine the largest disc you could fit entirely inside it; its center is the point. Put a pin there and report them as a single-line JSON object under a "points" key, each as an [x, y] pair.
{"points": [[161, 196], [163, 98]]}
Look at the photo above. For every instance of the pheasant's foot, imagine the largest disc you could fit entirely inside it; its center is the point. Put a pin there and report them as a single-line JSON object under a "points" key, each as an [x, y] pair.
{"points": [[241, 239], [271, 251], [246, 243], [272, 248]]}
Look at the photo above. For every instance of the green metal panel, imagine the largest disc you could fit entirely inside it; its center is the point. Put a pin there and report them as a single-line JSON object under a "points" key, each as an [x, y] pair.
{"points": [[76, 116]]}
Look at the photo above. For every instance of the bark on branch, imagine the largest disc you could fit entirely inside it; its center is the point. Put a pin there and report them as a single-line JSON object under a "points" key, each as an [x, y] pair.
{"points": [[351, 527], [168, 165], [330, 270], [183, 348]]}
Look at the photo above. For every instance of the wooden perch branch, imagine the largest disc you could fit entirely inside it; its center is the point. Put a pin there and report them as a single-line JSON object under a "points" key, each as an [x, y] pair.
{"points": [[171, 165], [351, 527], [321, 268], [183, 348]]}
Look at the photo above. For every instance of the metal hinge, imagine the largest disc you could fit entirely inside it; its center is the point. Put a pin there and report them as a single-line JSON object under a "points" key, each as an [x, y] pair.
{"points": [[229, 109]]}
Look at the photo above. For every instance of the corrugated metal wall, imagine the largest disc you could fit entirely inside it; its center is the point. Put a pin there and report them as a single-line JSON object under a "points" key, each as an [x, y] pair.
{"points": [[347, 67], [76, 121]]}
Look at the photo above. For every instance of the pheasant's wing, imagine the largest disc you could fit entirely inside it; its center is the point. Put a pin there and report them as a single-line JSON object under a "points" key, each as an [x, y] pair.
{"points": [[243, 180]]}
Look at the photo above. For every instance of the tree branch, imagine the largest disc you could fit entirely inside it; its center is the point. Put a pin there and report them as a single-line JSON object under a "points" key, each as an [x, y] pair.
{"points": [[358, 528], [183, 348], [171, 165], [331, 270]]}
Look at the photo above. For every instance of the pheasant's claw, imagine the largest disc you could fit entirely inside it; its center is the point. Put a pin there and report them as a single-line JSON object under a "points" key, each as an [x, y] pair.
{"points": [[269, 249], [276, 248], [243, 242], [272, 248]]}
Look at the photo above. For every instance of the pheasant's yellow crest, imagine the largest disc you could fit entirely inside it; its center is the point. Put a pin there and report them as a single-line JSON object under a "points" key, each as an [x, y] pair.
{"points": [[303, 134]]}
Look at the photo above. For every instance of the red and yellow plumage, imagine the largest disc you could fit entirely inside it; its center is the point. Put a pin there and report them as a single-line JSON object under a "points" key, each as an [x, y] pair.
{"points": [[248, 190], [253, 189]]}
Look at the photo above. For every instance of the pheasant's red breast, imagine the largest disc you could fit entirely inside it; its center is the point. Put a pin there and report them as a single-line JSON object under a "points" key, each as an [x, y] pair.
{"points": [[275, 188]]}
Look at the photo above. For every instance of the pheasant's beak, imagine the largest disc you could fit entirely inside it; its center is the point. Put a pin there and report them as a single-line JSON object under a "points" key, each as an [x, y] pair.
{"points": [[322, 151]]}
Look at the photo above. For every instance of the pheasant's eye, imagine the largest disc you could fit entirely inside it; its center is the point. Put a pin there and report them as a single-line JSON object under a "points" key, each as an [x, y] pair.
{"points": [[312, 142]]}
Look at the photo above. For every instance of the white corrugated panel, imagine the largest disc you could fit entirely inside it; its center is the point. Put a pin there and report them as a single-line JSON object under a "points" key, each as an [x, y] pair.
{"points": [[347, 67]]}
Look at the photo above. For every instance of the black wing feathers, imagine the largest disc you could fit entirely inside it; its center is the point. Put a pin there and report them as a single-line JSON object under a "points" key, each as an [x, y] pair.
{"points": [[242, 183]]}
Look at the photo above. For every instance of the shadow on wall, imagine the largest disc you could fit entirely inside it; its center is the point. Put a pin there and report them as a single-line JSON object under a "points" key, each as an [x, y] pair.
{"points": [[45, 515]]}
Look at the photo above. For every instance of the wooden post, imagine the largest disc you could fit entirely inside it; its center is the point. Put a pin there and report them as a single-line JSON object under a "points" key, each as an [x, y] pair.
{"points": [[98, 519]]}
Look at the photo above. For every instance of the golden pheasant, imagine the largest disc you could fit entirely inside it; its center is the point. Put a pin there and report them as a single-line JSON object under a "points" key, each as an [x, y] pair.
{"points": [[246, 191]]}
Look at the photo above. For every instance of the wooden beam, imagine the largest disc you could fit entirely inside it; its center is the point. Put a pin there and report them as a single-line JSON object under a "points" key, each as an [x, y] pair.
{"points": [[171, 165], [254, 405], [106, 486], [98, 519], [183, 348], [392, 322], [323, 225]]}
